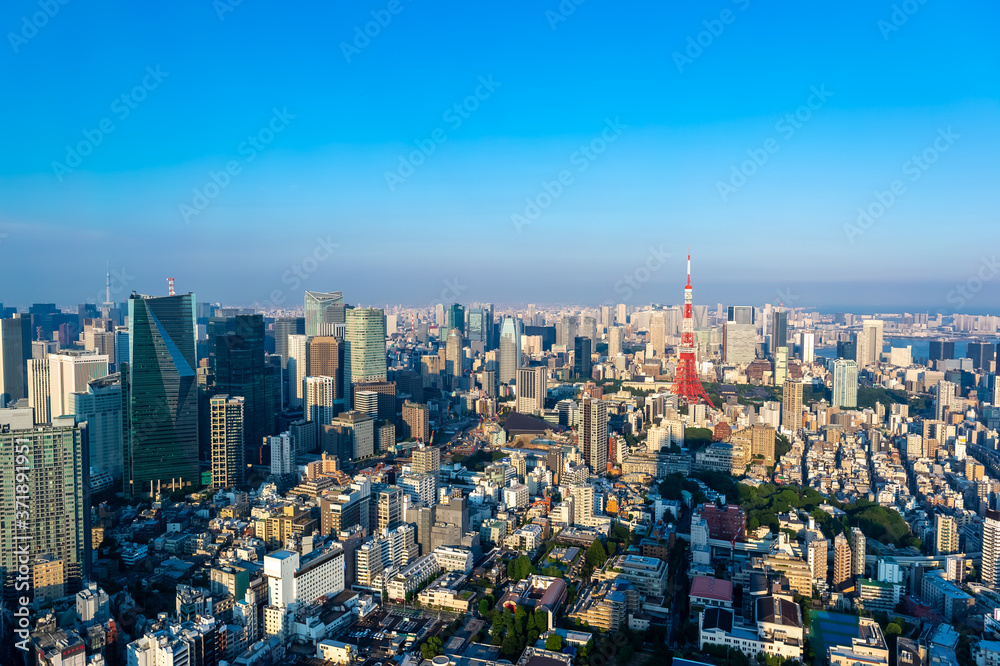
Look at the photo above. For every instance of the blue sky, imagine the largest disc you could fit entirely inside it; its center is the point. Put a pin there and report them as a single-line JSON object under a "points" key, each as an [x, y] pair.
{"points": [[337, 124]]}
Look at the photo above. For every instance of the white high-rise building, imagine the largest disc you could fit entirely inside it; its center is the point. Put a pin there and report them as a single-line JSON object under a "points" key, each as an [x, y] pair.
{"points": [[945, 399], [282, 453], [819, 558], [319, 401], [583, 503], [780, 366], [510, 350], [532, 387], [70, 373], [658, 332], [845, 383], [991, 549], [870, 343], [38, 389], [99, 403], [298, 367], [740, 344], [616, 335], [808, 347]]}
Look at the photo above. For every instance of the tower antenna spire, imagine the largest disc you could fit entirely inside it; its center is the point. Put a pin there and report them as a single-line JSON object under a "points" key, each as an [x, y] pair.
{"points": [[687, 385]]}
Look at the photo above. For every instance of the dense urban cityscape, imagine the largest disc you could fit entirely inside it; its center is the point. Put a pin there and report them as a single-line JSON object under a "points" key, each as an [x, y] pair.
{"points": [[395, 333], [466, 484]]}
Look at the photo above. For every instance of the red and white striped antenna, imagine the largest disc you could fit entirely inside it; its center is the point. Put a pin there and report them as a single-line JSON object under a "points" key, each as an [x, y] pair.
{"points": [[170, 286]]}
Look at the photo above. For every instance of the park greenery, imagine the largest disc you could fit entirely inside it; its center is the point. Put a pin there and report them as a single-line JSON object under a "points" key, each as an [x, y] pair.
{"points": [[763, 504], [513, 631]]}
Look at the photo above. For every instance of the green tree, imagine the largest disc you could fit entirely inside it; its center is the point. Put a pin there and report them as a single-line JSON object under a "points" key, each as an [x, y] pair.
{"points": [[596, 555], [893, 629], [484, 607], [431, 647], [510, 647], [554, 642]]}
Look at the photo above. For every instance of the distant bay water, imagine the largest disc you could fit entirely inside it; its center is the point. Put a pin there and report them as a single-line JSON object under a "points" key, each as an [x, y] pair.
{"points": [[920, 348]]}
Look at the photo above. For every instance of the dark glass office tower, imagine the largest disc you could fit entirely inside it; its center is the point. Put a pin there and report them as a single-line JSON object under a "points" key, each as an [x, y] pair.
{"points": [[581, 357], [477, 325], [848, 349], [981, 354], [160, 390], [15, 351], [456, 318], [238, 344], [779, 331], [941, 350]]}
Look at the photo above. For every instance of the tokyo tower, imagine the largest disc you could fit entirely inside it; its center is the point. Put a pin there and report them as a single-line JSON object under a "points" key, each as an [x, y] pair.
{"points": [[686, 382]]}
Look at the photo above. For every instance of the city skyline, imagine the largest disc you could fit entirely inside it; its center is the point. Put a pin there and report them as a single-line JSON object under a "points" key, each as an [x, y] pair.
{"points": [[681, 102]]}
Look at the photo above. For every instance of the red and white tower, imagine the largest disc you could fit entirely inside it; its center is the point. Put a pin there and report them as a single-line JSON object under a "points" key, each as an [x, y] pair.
{"points": [[170, 286], [686, 382]]}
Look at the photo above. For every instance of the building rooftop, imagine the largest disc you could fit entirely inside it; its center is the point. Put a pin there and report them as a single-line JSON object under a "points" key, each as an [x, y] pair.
{"points": [[712, 588]]}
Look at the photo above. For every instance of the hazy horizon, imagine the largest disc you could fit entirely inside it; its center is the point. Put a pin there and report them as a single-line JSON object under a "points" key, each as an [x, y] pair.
{"points": [[529, 155]]}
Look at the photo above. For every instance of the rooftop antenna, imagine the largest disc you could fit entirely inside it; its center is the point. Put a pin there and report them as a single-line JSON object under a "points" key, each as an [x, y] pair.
{"points": [[170, 286]]}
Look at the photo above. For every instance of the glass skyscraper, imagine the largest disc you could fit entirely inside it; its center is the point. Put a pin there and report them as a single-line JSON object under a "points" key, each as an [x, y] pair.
{"points": [[15, 350], [323, 312], [159, 387], [364, 348], [456, 318], [238, 344]]}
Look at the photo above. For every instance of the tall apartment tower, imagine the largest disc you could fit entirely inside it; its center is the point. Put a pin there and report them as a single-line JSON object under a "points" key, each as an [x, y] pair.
{"points": [[324, 311], [845, 383], [364, 349], [594, 434], [416, 421], [159, 387], [658, 331], [615, 338], [15, 351], [858, 551], [56, 508], [319, 400], [228, 455], [945, 535], [510, 350], [819, 558], [532, 387], [945, 399], [791, 406], [991, 549], [38, 389], [841, 562]]}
